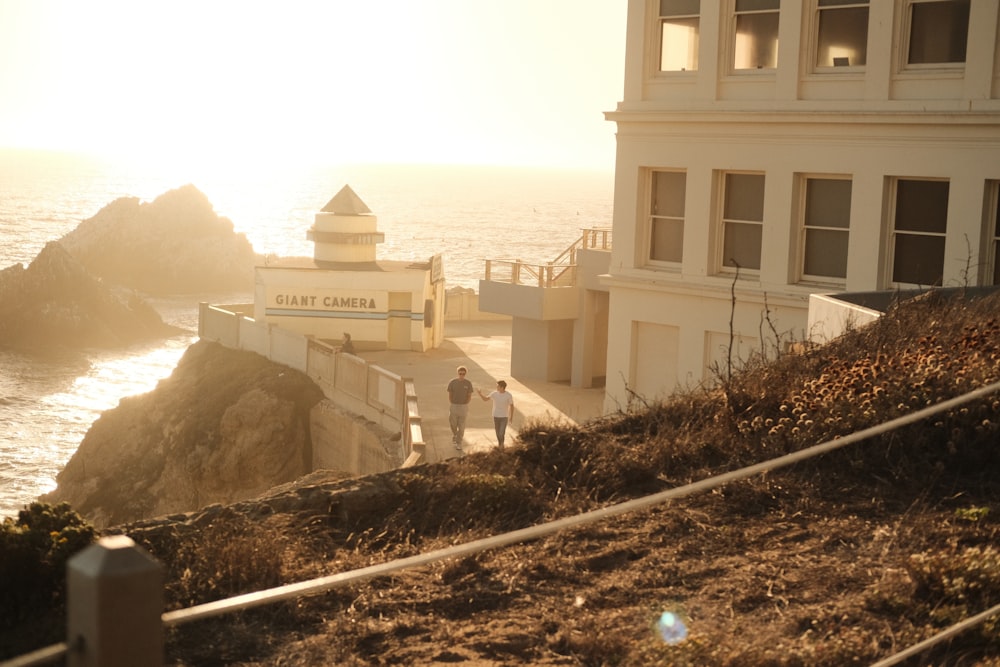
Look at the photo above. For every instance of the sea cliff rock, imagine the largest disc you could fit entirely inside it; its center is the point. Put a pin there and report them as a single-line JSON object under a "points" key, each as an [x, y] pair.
{"points": [[175, 244], [55, 303], [226, 425]]}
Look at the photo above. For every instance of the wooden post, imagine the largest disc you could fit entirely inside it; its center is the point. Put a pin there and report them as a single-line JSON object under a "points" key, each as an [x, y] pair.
{"points": [[115, 602]]}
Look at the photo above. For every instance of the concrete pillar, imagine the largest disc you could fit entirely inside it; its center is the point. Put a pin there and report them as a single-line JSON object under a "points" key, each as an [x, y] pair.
{"points": [[115, 602]]}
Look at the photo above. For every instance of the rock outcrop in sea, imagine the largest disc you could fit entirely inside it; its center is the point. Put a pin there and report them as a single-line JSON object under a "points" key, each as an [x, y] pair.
{"points": [[227, 425], [175, 244], [55, 303]]}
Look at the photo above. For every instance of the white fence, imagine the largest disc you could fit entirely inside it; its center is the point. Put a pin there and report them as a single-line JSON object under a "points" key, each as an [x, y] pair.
{"points": [[347, 380]]}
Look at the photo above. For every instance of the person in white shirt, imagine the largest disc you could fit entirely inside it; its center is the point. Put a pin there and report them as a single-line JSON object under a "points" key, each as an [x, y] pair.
{"points": [[503, 409]]}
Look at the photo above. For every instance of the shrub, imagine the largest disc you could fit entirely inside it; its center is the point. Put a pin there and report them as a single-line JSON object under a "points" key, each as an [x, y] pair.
{"points": [[34, 550], [231, 556]]}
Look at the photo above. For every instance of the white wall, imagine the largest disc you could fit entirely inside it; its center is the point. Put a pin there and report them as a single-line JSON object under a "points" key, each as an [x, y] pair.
{"points": [[369, 326], [874, 124]]}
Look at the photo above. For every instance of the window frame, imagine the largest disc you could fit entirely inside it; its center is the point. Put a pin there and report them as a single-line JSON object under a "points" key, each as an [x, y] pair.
{"points": [[734, 19], [816, 14], [724, 223], [894, 233], [652, 218], [991, 235], [906, 35], [661, 19], [804, 227]]}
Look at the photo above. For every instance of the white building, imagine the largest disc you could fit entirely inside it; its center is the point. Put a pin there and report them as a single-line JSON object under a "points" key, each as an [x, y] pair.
{"points": [[772, 149], [344, 288], [559, 311]]}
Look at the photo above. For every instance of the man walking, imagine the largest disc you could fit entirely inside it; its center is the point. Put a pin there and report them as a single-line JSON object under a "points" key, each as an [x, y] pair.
{"points": [[459, 394]]}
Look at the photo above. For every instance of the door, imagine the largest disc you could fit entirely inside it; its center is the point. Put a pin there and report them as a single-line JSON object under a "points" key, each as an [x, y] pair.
{"points": [[400, 320]]}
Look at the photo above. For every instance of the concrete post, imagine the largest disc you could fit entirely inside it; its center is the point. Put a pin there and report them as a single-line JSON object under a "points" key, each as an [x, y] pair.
{"points": [[115, 602], [202, 307]]}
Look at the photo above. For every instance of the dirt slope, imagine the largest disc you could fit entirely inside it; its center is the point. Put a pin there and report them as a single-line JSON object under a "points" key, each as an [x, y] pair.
{"points": [[841, 560]]}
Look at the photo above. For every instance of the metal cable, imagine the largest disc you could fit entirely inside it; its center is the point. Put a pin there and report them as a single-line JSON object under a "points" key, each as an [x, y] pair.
{"points": [[42, 656], [323, 584], [947, 633]]}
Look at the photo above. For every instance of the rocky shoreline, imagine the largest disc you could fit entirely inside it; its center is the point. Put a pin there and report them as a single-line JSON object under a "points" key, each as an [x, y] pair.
{"points": [[89, 288]]}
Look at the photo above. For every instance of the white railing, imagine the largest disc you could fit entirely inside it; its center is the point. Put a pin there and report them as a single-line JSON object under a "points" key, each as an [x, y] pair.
{"points": [[516, 272], [560, 272], [121, 632]]}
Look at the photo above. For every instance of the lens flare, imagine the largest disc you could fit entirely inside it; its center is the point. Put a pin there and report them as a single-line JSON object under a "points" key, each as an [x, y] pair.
{"points": [[671, 628]]}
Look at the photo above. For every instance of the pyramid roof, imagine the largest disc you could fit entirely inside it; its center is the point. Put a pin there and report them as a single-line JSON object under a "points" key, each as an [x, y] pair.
{"points": [[346, 202]]}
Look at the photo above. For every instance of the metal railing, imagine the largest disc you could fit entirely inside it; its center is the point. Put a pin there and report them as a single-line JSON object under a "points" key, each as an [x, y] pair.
{"points": [[103, 614], [516, 272], [560, 272]]}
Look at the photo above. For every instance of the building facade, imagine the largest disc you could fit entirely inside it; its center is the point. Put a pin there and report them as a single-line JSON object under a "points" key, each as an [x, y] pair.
{"points": [[558, 311], [772, 149], [345, 288]]}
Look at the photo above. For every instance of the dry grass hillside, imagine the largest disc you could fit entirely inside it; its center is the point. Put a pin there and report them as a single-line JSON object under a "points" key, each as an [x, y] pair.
{"points": [[843, 559]]}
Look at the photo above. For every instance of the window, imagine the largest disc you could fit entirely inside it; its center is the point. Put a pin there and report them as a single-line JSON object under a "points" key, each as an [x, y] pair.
{"points": [[742, 221], [993, 234], [666, 239], [939, 31], [825, 221], [920, 222], [679, 35], [842, 33], [756, 39]]}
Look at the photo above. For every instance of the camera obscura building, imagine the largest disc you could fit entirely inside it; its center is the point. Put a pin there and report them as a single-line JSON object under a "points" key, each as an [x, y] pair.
{"points": [[344, 288]]}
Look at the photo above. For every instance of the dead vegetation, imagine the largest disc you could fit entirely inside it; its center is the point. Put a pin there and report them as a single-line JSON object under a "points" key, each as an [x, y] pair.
{"points": [[843, 559]]}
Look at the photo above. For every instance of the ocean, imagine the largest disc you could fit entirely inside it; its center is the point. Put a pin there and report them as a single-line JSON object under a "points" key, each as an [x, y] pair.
{"points": [[466, 213]]}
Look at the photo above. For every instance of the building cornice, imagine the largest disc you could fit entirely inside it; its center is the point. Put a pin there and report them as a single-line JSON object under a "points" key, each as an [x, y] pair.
{"points": [[719, 288], [802, 113]]}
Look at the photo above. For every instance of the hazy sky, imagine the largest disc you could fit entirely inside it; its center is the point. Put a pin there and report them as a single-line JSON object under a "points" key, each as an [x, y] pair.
{"points": [[514, 82]]}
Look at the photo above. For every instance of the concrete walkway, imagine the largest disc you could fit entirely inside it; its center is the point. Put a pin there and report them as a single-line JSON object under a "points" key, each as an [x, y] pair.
{"points": [[482, 346]]}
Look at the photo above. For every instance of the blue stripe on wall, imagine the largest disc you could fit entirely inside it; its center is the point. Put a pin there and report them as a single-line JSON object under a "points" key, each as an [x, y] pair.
{"points": [[341, 315]]}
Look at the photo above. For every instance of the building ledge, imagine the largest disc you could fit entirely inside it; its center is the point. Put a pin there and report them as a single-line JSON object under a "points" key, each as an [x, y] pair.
{"points": [[530, 302]]}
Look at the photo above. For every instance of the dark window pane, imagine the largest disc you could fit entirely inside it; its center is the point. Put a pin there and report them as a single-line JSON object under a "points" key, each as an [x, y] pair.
{"points": [[668, 240], [744, 197], [996, 263], [918, 259], [996, 216], [996, 235], [756, 5], [939, 32], [828, 202], [922, 206], [741, 245], [668, 193], [843, 35], [826, 253], [679, 7]]}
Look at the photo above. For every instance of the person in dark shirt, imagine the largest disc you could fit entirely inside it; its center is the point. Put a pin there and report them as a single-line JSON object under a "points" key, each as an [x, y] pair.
{"points": [[347, 346], [459, 395]]}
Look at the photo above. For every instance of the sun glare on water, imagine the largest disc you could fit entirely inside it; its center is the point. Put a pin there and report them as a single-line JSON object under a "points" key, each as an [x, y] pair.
{"points": [[111, 378]]}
